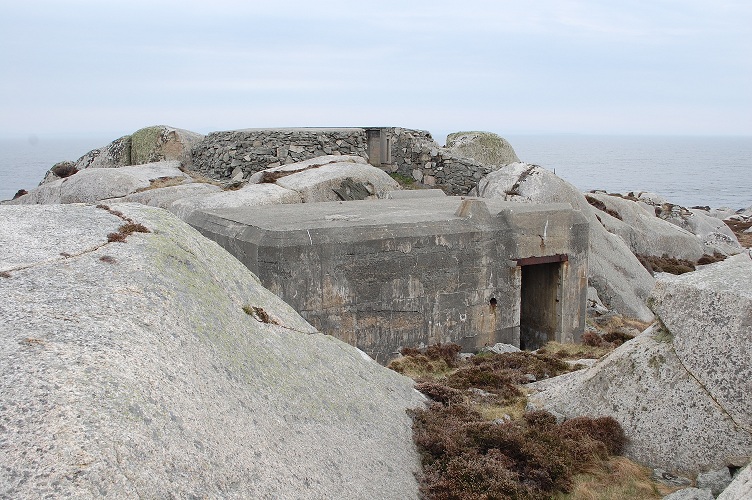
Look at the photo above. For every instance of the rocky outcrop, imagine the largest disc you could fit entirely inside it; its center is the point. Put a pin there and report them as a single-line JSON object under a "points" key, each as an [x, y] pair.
{"points": [[715, 236], [646, 234], [621, 281], [332, 178], [96, 184], [484, 147], [680, 391], [147, 145], [159, 367]]}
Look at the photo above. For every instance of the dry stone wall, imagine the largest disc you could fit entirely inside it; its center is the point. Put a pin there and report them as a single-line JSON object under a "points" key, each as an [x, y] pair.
{"points": [[227, 155], [413, 153], [416, 155]]}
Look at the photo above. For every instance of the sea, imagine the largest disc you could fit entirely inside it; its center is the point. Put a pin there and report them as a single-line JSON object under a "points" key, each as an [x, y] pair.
{"points": [[687, 171]]}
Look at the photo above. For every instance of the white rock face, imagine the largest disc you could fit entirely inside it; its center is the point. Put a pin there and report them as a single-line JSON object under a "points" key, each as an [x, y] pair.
{"points": [[250, 195], [621, 281], [165, 197], [681, 394], [97, 184], [323, 177], [131, 370], [645, 233]]}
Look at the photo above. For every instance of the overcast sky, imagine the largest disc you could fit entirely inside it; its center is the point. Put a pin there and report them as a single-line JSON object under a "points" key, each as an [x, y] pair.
{"points": [[512, 67]]}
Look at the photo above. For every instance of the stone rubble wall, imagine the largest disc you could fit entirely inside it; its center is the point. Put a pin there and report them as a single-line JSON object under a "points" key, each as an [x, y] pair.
{"points": [[225, 155], [415, 154], [238, 154]]}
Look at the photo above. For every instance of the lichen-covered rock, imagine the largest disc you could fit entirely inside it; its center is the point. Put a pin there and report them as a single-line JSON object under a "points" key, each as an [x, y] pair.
{"points": [[160, 368], [621, 281], [160, 143], [115, 154], [484, 147], [97, 184], [681, 392]]}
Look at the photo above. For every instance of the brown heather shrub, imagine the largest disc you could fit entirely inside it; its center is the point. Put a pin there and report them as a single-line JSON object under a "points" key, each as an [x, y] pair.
{"points": [[499, 381], [617, 337], [711, 259], [116, 237], [447, 352], [604, 429], [592, 339], [64, 169], [440, 392], [133, 227], [540, 365], [410, 351], [666, 264]]}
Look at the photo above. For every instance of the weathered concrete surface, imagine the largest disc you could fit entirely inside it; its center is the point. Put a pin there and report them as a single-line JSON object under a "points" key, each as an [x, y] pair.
{"points": [[97, 184], [645, 233], [484, 147], [141, 375], [383, 274], [681, 393], [621, 281]]}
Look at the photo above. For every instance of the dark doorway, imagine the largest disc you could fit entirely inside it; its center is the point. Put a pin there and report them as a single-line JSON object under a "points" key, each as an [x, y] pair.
{"points": [[539, 304]]}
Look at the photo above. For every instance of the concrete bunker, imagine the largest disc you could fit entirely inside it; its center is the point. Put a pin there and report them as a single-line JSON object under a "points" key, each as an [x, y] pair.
{"points": [[419, 269]]}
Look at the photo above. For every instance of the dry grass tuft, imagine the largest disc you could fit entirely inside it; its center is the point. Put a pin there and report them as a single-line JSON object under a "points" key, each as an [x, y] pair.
{"points": [[617, 479]]}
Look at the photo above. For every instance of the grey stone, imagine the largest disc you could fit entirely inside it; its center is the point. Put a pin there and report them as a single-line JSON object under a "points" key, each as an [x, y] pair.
{"points": [[690, 494], [670, 479], [715, 480], [248, 196], [131, 369], [320, 184], [740, 487], [484, 147], [613, 270], [161, 143], [165, 197], [500, 348]]}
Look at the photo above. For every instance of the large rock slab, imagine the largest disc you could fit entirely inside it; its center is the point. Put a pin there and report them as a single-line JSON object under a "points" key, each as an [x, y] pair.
{"points": [[484, 147], [250, 195], [166, 196], [330, 178], [621, 281], [681, 392], [132, 370], [97, 184], [709, 314], [645, 233]]}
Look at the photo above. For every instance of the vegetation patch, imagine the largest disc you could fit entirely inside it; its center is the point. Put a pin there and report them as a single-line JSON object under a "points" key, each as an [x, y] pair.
{"points": [[739, 228], [476, 439], [405, 181], [665, 264], [163, 182], [64, 169], [108, 259], [595, 202], [4, 274]]}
